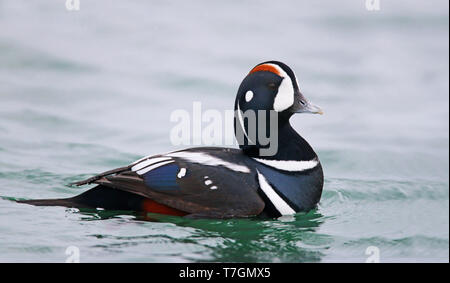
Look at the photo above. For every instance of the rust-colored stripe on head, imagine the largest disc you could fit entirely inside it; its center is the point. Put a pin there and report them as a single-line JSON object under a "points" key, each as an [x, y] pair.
{"points": [[267, 68]]}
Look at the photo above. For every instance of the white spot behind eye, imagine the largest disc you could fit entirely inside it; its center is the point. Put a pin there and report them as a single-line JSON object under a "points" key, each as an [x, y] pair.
{"points": [[248, 95]]}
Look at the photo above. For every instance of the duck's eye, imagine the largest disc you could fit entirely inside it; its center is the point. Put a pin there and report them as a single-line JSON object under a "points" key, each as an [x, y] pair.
{"points": [[272, 86], [302, 102]]}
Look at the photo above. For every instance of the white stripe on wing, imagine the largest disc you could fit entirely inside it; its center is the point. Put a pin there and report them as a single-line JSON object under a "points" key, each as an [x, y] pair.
{"points": [[154, 166]]}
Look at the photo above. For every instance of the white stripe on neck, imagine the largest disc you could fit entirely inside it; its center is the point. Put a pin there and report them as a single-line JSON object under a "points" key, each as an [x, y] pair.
{"points": [[241, 121], [289, 165], [274, 198]]}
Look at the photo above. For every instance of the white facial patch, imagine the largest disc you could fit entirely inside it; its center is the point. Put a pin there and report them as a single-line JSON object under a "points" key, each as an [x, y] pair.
{"points": [[248, 95], [285, 95]]}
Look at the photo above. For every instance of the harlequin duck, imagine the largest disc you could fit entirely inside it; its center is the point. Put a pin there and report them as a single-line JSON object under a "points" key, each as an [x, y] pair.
{"points": [[213, 182]]}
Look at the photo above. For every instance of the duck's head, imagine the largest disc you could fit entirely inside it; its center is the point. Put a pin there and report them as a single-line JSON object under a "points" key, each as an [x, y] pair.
{"points": [[273, 87]]}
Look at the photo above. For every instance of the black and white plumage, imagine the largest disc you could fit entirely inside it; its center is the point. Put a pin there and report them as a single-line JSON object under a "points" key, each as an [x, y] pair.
{"points": [[214, 182]]}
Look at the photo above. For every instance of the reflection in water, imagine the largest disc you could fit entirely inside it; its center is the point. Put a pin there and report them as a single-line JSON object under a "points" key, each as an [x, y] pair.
{"points": [[286, 239], [256, 240]]}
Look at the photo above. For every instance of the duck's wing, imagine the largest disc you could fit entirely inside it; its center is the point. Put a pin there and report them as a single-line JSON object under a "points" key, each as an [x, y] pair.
{"points": [[204, 182]]}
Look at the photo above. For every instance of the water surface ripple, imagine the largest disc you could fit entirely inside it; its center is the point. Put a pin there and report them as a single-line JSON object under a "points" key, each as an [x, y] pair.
{"points": [[84, 92]]}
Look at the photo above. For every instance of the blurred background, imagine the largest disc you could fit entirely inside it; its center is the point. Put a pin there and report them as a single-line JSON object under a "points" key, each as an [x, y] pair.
{"points": [[85, 91]]}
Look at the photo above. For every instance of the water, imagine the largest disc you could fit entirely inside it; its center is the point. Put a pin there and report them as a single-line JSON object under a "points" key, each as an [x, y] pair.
{"points": [[84, 92]]}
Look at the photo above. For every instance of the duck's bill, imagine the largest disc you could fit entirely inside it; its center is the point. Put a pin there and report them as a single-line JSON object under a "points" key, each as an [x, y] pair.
{"points": [[310, 108]]}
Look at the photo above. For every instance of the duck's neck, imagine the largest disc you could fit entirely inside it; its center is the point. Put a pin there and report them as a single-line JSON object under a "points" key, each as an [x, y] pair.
{"points": [[291, 146]]}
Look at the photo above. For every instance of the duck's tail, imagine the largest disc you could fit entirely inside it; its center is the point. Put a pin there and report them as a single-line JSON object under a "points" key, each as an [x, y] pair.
{"points": [[68, 202], [99, 196]]}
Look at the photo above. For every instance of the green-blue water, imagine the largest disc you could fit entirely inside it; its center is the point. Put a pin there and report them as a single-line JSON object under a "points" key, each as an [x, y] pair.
{"points": [[83, 92]]}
